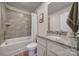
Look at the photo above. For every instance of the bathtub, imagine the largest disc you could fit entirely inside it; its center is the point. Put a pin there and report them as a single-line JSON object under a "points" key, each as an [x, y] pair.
{"points": [[12, 46]]}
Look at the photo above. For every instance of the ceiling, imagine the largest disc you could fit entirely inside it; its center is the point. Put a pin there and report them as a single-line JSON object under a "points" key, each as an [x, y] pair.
{"points": [[56, 6], [26, 6]]}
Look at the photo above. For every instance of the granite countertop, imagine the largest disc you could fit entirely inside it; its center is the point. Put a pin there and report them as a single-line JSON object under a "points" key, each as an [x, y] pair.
{"points": [[72, 42]]}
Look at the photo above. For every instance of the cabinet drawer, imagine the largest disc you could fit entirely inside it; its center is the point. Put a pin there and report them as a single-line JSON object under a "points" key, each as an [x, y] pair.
{"points": [[41, 41], [59, 49], [41, 50]]}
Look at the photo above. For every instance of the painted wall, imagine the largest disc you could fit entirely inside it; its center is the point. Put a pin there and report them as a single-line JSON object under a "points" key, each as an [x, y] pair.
{"points": [[43, 27], [17, 24]]}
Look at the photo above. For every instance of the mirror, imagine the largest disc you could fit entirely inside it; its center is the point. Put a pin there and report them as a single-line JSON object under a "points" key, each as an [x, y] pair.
{"points": [[57, 17]]}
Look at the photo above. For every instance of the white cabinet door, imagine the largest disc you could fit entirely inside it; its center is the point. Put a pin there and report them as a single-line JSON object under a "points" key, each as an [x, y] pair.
{"points": [[41, 41], [41, 51], [50, 53]]}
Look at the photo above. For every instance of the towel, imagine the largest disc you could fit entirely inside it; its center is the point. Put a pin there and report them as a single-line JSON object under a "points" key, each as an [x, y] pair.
{"points": [[72, 20]]}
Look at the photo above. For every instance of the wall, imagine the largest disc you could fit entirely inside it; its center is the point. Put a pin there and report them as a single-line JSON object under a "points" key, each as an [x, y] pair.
{"points": [[78, 12], [2, 19], [18, 24], [58, 20], [43, 27]]}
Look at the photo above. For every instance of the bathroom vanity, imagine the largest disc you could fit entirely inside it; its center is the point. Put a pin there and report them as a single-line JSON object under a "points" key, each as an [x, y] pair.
{"points": [[50, 46]]}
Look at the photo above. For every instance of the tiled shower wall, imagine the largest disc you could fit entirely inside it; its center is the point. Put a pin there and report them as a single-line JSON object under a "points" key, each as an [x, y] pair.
{"points": [[2, 20], [17, 24]]}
